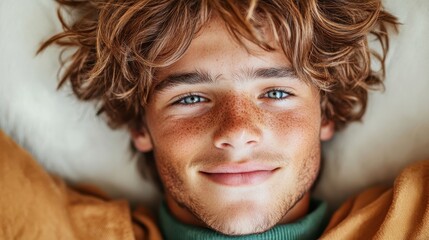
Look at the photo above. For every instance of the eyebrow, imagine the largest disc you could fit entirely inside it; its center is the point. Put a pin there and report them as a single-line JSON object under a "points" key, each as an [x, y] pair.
{"points": [[199, 77], [282, 72]]}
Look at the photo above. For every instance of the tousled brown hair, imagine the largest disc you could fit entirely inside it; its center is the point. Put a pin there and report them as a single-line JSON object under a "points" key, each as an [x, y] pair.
{"points": [[120, 44]]}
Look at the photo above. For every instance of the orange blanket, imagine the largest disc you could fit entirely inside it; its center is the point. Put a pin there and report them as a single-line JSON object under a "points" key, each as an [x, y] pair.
{"points": [[36, 205], [400, 212]]}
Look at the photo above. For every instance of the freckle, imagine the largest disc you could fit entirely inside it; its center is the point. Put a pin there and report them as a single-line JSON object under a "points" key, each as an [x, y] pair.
{"points": [[198, 128]]}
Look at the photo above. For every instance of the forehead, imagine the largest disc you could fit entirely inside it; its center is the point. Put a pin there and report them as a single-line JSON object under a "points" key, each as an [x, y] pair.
{"points": [[216, 51]]}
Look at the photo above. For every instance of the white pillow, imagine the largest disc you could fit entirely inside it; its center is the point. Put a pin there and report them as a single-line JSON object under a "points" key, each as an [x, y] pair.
{"points": [[68, 139]]}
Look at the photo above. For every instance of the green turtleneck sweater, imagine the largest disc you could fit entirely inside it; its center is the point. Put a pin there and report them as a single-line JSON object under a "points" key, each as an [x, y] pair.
{"points": [[309, 227]]}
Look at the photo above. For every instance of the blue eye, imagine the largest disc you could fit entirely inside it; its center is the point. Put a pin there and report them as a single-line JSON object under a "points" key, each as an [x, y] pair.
{"points": [[191, 99], [276, 94]]}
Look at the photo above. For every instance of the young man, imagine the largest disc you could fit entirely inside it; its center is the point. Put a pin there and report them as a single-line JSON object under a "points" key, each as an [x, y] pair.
{"points": [[230, 100]]}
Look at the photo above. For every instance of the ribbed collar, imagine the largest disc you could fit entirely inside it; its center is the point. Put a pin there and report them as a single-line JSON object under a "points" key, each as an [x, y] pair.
{"points": [[309, 227]]}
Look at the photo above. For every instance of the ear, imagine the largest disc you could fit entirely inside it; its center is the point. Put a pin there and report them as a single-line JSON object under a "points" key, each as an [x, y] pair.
{"points": [[327, 130], [142, 140]]}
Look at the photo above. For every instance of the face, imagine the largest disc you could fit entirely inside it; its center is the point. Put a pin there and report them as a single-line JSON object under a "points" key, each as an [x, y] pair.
{"points": [[235, 134]]}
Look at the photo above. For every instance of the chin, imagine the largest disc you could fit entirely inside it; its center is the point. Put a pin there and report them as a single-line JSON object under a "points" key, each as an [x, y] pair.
{"points": [[244, 219]]}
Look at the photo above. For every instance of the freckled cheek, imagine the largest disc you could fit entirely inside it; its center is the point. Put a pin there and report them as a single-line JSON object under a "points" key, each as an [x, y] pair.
{"points": [[183, 136], [176, 143], [297, 137], [294, 129]]}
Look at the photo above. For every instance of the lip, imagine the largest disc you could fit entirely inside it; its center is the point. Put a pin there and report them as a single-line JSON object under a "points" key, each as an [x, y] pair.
{"points": [[240, 174]]}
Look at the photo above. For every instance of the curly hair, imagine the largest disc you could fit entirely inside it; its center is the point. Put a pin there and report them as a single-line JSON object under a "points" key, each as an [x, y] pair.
{"points": [[119, 45]]}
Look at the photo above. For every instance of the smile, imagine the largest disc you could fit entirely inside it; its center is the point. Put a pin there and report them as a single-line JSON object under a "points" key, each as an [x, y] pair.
{"points": [[240, 178]]}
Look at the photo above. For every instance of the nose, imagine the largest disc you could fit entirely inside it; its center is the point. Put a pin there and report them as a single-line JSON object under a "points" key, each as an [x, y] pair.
{"points": [[239, 126]]}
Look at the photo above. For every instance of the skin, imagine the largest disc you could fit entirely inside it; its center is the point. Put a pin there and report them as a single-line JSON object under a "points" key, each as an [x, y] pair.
{"points": [[232, 120]]}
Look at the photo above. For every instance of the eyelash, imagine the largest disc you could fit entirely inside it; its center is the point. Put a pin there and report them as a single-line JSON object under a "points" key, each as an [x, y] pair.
{"points": [[181, 99], [287, 93]]}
